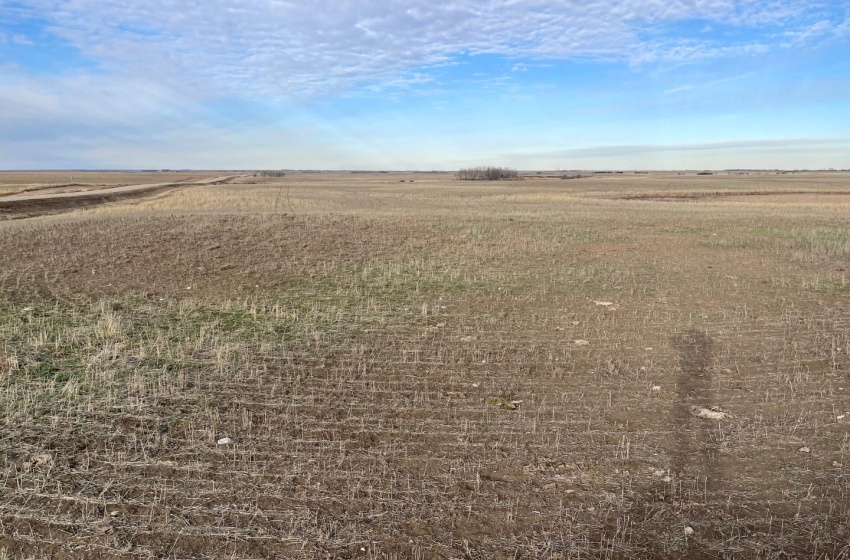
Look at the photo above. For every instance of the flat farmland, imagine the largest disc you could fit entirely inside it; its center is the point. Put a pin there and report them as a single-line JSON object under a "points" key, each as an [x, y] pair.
{"points": [[42, 182], [391, 366]]}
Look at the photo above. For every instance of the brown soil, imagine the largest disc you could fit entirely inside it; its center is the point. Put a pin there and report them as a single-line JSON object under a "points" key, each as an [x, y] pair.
{"points": [[65, 198], [366, 348], [88, 197], [763, 196]]}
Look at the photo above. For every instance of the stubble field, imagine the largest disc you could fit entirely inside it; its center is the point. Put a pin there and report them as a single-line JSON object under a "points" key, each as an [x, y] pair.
{"points": [[398, 366]]}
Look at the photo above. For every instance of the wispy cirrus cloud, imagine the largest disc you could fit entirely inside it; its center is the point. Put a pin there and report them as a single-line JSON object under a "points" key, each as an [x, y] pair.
{"points": [[843, 29], [815, 31]]}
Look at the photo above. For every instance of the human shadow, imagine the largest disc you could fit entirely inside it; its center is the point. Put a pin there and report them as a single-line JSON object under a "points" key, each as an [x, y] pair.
{"points": [[695, 445]]}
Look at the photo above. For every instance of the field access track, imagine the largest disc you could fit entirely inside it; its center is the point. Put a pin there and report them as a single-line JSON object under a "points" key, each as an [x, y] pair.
{"points": [[26, 205]]}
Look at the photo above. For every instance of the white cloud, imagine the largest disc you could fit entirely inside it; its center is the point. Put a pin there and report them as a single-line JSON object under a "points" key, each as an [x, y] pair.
{"points": [[84, 100], [707, 85], [155, 69], [277, 47], [21, 40], [843, 29], [690, 51], [809, 33], [181, 143]]}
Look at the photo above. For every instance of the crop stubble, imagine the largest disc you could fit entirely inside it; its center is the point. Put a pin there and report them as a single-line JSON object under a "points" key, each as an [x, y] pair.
{"points": [[361, 340]]}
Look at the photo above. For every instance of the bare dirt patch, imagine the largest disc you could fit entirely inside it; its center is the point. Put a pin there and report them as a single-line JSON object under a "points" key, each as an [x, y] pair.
{"points": [[89, 197], [67, 198], [762, 196], [807, 198], [12, 182]]}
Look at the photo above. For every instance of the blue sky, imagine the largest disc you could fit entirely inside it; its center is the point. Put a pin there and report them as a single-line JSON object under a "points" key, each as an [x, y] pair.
{"points": [[561, 84]]}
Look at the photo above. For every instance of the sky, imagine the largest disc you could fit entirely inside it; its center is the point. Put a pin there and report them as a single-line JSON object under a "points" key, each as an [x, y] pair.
{"points": [[424, 84]]}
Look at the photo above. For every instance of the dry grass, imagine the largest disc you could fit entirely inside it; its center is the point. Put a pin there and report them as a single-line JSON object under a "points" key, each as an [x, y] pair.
{"points": [[365, 343]]}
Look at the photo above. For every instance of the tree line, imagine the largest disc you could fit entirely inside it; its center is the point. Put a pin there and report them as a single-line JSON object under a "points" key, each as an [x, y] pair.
{"points": [[486, 173]]}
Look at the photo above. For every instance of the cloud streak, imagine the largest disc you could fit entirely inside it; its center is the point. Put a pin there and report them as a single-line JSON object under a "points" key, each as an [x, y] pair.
{"points": [[800, 153], [735, 145]]}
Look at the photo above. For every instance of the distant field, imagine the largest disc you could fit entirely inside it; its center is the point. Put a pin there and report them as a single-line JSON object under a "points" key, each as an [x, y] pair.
{"points": [[408, 366], [13, 182]]}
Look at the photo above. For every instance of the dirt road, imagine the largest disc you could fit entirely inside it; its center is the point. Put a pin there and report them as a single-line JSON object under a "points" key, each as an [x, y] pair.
{"points": [[32, 204]]}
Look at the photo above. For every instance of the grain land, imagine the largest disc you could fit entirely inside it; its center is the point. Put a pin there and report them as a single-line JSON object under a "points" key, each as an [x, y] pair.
{"points": [[28, 195], [16, 182], [405, 366]]}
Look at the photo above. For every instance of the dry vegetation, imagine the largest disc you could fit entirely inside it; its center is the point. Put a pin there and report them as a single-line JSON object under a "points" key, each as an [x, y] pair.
{"points": [[431, 370], [15, 182], [486, 174]]}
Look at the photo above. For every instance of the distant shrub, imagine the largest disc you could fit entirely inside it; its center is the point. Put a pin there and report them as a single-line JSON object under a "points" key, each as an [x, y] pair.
{"points": [[271, 174], [486, 174]]}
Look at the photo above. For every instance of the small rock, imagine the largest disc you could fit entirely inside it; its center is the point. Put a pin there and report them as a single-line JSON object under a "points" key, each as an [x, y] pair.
{"points": [[837, 465], [604, 303], [689, 530], [655, 391], [224, 441], [667, 479], [710, 413], [582, 342], [804, 450]]}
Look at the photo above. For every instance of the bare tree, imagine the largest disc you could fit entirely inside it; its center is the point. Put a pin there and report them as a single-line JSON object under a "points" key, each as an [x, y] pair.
{"points": [[487, 173]]}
